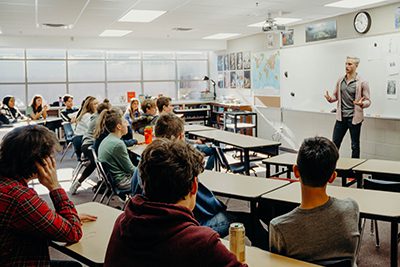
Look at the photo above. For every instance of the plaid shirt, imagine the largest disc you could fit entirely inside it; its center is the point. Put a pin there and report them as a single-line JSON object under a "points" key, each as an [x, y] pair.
{"points": [[27, 224]]}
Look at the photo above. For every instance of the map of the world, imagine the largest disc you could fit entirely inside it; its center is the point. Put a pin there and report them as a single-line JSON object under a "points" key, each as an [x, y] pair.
{"points": [[265, 70]]}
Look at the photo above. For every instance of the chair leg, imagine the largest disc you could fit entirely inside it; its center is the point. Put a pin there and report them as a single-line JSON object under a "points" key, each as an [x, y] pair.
{"points": [[65, 151], [377, 243], [104, 195], [109, 199], [96, 193], [359, 241], [372, 228]]}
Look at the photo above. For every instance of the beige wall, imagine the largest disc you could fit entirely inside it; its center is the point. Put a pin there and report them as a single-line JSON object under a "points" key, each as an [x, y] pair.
{"points": [[380, 138]]}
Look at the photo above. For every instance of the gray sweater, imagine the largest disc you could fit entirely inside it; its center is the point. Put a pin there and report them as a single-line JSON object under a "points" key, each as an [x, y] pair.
{"points": [[325, 232]]}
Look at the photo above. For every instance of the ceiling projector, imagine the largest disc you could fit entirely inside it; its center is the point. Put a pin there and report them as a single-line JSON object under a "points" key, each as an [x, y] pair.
{"points": [[271, 26]]}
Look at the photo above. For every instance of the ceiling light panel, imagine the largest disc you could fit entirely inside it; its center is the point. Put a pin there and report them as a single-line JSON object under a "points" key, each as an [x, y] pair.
{"points": [[353, 3], [221, 36], [114, 33], [142, 15]]}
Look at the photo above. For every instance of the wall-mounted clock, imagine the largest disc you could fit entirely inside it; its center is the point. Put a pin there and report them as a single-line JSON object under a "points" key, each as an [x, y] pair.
{"points": [[362, 22]]}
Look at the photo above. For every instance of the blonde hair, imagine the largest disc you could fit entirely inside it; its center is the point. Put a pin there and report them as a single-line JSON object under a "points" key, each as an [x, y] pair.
{"points": [[87, 107], [355, 59]]}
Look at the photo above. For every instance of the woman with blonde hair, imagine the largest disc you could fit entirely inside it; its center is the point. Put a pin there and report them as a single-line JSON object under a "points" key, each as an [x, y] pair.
{"points": [[89, 106]]}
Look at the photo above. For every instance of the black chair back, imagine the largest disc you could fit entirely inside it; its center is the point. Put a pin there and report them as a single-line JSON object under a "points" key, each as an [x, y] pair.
{"points": [[222, 159], [342, 262], [382, 185]]}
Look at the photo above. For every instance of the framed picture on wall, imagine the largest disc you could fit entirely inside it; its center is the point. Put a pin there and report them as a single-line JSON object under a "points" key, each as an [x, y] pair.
{"points": [[232, 61], [233, 79], [226, 62], [227, 79], [239, 79], [246, 60], [247, 79], [287, 37], [321, 31], [239, 60], [220, 63]]}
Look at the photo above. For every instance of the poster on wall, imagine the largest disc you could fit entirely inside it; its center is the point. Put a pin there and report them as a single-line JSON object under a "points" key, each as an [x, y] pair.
{"points": [[265, 71], [239, 79], [226, 62], [232, 61], [397, 18], [227, 79], [221, 80], [247, 79], [392, 65], [239, 60], [391, 89], [321, 31], [287, 37], [220, 63], [270, 40], [246, 60], [233, 79]]}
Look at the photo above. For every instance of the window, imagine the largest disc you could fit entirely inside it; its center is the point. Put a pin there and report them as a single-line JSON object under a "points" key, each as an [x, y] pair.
{"points": [[46, 71], [159, 70], [12, 71], [82, 71], [117, 92], [157, 88], [123, 71], [49, 92], [81, 90]]}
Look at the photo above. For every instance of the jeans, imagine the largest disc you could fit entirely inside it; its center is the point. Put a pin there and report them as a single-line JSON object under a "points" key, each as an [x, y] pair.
{"points": [[210, 152], [92, 165], [77, 143], [340, 130], [255, 231]]}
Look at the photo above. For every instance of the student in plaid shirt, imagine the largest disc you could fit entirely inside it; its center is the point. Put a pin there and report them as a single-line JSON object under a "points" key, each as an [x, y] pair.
{"points": [[27, 223]]}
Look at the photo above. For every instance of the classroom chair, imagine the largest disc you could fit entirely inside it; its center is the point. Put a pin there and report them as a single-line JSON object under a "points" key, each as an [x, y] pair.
{"points": [[101, 184], [68, 136], [343, 262], [237, 167], [382, 185], [113, 190]]}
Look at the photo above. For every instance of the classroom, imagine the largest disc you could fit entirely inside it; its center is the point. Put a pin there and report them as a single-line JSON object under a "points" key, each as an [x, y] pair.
{"points": [[266, 94]]}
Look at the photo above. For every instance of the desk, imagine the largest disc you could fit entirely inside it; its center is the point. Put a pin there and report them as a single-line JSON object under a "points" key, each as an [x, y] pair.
{"points": [[256, 257], [55, 121], [197, 127], [91, 249], [137, 149], [388, 168], [373, 204], [344, 166], [244, 142]]}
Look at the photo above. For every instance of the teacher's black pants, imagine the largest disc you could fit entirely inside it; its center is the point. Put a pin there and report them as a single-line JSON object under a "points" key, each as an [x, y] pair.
{"points": [[340, 130]]}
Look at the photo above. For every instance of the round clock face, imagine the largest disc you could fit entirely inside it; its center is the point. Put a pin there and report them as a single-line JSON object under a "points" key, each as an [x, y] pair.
{"points": [[362, 22]]}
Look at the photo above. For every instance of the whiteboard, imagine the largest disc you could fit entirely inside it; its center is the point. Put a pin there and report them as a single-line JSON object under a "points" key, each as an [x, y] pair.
{"points": [[312, 69]]}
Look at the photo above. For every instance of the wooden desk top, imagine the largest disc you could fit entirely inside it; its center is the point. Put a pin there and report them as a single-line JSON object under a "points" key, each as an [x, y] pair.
{"points": [[379, 166], [238, 140], [372, 202], [256, 257], [289, 159], [197, 127], [93, 245], [236, 185]]}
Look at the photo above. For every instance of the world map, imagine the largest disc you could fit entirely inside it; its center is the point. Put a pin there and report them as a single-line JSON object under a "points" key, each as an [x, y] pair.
{"points": [[265, 70]]}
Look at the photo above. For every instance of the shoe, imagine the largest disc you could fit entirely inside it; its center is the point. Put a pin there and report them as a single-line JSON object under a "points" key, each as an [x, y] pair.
{"points": [[74, 187]]}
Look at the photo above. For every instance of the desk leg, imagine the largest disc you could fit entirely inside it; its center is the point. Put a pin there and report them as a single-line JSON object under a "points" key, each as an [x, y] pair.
{"points": [[267, 170], [393, 244], [246, 161]]}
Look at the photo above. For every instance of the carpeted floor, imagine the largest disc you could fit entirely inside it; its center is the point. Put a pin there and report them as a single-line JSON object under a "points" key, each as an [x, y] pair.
{"points": [[369, 255]]}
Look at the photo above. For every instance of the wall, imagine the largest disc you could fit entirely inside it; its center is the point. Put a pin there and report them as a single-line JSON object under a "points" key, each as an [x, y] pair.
{"points": [[380, 138]]}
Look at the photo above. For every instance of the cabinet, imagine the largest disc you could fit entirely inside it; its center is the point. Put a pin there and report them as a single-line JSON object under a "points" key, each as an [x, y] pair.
{"points": [[196, 112], [218, 118], [240, 121]]}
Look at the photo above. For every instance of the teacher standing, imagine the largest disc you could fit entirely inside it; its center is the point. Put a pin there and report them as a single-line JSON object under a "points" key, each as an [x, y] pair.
{"points": [[352, 94]]}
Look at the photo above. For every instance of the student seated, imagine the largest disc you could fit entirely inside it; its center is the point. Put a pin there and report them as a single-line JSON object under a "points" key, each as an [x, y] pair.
{"points": [[36, 110], [322, 227], [87, 142], [69, 112], [27, 222], [112, 149], [148, 117], [209, 211], [164, 106], [10, 110], [158, 228]]}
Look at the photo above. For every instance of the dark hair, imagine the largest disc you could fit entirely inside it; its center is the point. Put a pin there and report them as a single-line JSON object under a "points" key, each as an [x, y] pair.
{"points": [[148, 104], [24, 146], [169, 126], [107, 121], [168, 168], [7, 99], [162, 101], [317, 161], [104, 105], [33, 104], [66, 97]]}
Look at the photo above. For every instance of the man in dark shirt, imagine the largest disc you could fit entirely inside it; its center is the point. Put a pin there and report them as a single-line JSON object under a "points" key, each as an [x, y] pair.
{"points": [[67, 114]]}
